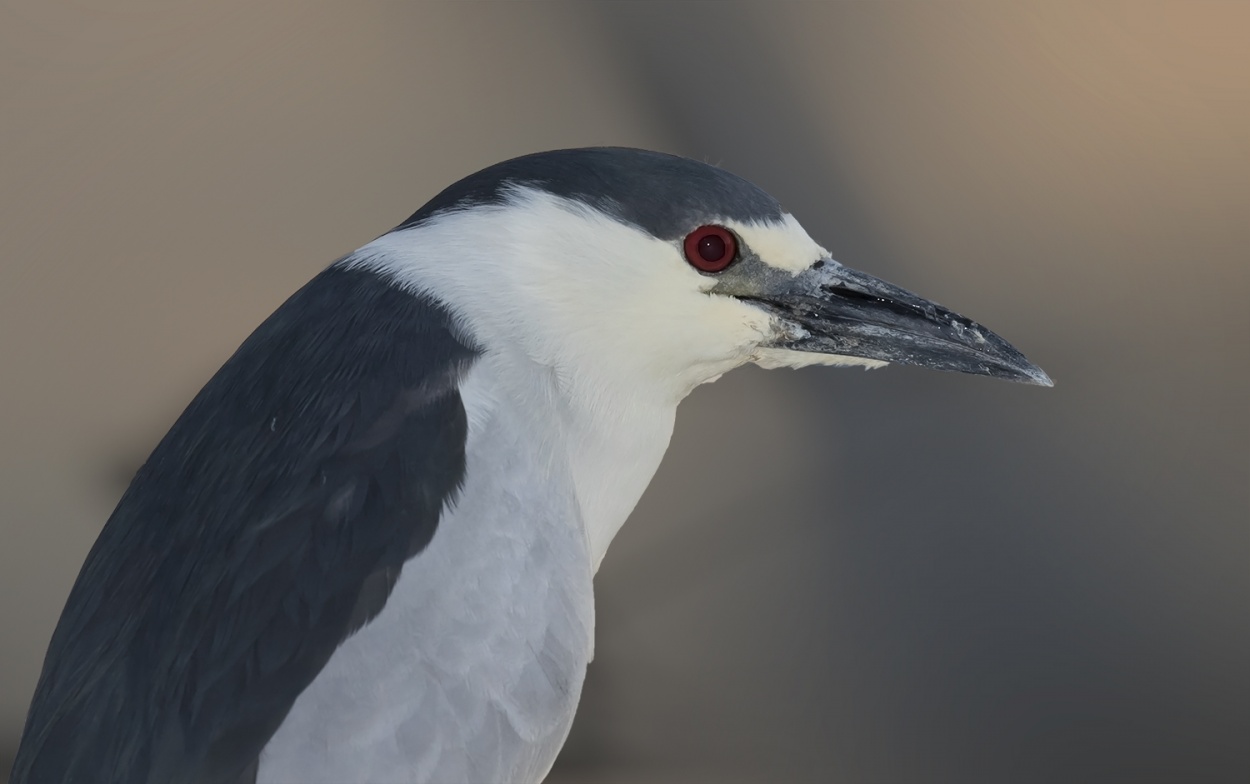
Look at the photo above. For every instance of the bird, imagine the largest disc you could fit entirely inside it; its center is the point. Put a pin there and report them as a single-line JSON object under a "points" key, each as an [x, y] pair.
{"points": [[365, 551]]}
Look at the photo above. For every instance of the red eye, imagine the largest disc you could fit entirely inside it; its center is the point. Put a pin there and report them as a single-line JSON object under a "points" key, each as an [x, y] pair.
{"points": [[711, 248]]}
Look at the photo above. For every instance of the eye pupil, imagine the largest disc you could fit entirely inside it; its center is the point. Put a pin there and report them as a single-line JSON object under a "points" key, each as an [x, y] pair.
{"points": [[711, 248]]}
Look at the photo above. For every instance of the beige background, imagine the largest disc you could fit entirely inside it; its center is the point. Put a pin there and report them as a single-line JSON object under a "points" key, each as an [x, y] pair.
{"points": [[894, 576]]}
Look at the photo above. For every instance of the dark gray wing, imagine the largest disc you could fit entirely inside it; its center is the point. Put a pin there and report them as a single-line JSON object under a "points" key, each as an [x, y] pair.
{"points": [[269, 524]]}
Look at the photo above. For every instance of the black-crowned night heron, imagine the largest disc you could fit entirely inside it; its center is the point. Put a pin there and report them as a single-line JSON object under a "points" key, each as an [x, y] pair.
{"points": [[365, 551]]}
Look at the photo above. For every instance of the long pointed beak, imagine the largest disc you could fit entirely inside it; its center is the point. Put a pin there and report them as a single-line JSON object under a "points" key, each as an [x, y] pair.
{"points": [[833, 309]]}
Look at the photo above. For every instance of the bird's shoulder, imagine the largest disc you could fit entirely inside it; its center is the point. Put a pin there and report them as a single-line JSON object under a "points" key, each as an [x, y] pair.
{"points": [[269, 523]]}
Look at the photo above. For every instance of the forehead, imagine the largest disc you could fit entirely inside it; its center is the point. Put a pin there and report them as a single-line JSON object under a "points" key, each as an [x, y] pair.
{"points": [[665, 195]]}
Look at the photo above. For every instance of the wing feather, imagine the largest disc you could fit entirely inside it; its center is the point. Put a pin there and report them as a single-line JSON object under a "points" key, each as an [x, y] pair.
{"points": [[269, 524]]}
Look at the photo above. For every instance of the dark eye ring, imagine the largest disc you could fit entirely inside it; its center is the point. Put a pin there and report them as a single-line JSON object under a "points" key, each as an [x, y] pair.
{"points": [[711, 248]]}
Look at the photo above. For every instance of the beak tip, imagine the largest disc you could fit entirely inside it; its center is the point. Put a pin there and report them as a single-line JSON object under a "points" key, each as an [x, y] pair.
{"points": [[1034, 376], [1043, 380]]}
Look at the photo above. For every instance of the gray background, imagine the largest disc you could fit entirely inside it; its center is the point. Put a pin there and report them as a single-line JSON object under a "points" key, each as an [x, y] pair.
{"points": [[893, 576]]}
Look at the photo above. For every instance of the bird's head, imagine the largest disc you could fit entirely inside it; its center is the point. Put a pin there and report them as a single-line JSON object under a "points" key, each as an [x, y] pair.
{"points": [[640, 267]]}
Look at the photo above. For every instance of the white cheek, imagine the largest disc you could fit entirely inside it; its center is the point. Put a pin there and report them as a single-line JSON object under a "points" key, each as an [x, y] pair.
{"points": [[574, 290]]}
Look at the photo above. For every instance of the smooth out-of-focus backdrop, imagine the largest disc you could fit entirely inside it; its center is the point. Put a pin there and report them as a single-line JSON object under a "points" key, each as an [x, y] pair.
{"points": [[895, 576]]}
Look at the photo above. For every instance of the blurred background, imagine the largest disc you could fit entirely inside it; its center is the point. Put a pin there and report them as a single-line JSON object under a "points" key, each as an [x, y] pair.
{"points": [[894, 576]]}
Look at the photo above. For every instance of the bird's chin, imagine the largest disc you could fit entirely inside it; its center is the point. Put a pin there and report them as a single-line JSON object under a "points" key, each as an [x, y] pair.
{"points": [[772, 358]]}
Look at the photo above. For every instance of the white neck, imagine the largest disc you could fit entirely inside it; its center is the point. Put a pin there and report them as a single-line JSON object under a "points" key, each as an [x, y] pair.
{"points": [[609, 445], [592, 395]]}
